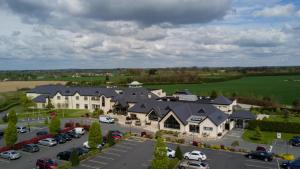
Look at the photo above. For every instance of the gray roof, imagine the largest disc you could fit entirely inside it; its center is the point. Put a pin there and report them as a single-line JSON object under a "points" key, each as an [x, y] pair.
{"points": [[221, 100], [40, 99], [243, 114], [52, 90], [183, 110]]}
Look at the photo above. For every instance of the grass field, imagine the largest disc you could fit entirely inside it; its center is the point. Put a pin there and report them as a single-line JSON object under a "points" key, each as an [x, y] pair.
{"points": [[284, 89], [268, 137], [280, 118]]}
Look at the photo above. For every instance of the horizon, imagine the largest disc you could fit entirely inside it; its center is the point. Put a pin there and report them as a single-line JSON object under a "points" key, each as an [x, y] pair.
{"points": [[62, 35]]}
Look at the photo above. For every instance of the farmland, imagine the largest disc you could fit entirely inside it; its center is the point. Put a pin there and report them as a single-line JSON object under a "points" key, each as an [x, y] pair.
{"points": [[15, 85], [284, 89]]}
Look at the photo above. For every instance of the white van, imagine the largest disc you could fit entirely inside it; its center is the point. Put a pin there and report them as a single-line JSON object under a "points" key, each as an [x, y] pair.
{"points": [[106, 119], [79, 130]]}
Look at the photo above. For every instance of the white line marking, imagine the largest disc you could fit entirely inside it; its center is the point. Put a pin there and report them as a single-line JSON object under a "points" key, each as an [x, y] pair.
{"points": [[125, 143], [99, 162], [108, 158], [256, 166], [88, 166], [111, 153], [125, 147], [117, 150], [278, 164]]}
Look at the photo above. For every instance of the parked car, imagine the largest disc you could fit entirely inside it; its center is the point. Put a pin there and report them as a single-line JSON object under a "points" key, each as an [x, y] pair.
{"points": [[48, 142], [21, 129], [106, 119], [86, 145], [117, 132], [193, 165], [261, 148], [260, 155], [46, 163], [79, 130], [294, 164], [80, 150], [60, 139], [10, 155], [41, 133], [73, 134], [295, 141], [1, 133], [31, 148], [67, 137], [170, 152], [195, 155], [64, 155]]}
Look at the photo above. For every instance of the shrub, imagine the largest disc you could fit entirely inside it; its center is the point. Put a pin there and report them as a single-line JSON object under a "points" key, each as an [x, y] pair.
{"points": [[288, 157], [89, 154], [173, 163], [65, 165], [178, 153], [5, 118], [180, 141], [74, 158], [110, 139], [215, 147], [235, 143], [223, 146], [275, 126]]}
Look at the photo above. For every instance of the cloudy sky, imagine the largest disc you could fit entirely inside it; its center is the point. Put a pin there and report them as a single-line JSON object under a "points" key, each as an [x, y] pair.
{"points": [[50, 34]]}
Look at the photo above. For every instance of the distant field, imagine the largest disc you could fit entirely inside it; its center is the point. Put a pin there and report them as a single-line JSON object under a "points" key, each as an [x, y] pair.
{"points": [[284, 89], [15, 85]]}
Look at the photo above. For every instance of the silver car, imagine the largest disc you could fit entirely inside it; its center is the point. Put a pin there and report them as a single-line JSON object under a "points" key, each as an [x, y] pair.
{"points": [[21, 129], [193, 165], [48, 142], [10, 155]]}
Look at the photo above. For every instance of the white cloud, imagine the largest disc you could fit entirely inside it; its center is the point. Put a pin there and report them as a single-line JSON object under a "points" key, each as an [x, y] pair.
{"points": [[276, 11], [298, 14]]}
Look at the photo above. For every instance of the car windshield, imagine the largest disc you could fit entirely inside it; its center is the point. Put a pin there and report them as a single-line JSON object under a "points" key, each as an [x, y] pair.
{"points": [[13, 152], [50, 161]]}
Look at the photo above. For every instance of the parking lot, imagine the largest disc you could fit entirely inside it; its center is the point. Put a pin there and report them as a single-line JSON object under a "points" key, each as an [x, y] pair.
{"points": [[132, 154], [129, 154]]}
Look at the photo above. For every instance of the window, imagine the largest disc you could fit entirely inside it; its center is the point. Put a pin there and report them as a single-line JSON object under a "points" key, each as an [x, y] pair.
{"points": [[153, 116], [103, 102], [67, 105], [208, 128], [86, 106], [43, 105], [194, 128], [77, 97], [172, 123], [58, 97], [66, 98], [85, 98], [58, 105], [77, 106]]}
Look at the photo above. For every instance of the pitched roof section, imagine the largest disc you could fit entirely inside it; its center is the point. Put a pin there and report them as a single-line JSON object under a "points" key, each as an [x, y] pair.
{"points": [[52, 90], [40, 99], [222, 101], [243, 115], [183, 110]]}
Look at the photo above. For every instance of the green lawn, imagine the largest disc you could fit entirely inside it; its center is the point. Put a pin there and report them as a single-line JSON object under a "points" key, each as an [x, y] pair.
{"points": [[65, 113], [268, 137], [284, 89], [281, 118]]}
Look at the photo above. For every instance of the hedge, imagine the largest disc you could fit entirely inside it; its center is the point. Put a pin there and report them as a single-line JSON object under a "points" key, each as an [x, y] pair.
{"points": [[274, 126]]}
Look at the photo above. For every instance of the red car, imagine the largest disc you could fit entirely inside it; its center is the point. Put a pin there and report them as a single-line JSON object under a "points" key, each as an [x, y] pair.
{"points": [[46, 163]]}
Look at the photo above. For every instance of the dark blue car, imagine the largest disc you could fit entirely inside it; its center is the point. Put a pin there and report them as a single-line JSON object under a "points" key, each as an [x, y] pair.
{"points": [[295, 164], [295, 141]]}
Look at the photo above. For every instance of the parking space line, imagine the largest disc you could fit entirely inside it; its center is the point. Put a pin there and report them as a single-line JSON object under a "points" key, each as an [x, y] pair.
{"points": [[257, 166], [125, 147], [88, 166], [3, 160], [117, 150], [136, 141], [98, 162], [261, 162], [115, 154], [103, 157], [126, 143]]}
